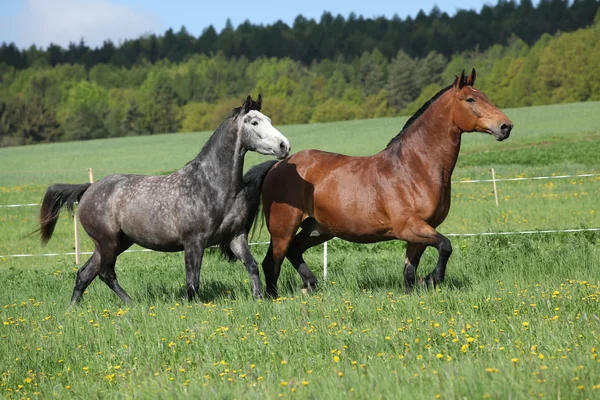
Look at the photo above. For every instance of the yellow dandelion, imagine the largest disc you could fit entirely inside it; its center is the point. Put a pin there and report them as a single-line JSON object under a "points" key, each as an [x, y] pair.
{"points": [[284, 383], [439, 355], [514, 360], [304, 382], [340, 374]]}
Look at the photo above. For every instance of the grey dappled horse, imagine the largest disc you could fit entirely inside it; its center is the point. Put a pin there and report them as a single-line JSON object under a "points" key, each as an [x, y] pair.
{"points": [[203, 204]]}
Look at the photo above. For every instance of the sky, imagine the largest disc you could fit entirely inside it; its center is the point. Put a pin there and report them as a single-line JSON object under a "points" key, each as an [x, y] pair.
{"points": [[41, 22]]}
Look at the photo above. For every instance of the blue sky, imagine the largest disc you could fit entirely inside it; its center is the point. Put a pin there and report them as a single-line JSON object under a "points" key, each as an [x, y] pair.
{"points": [[40, 22]]}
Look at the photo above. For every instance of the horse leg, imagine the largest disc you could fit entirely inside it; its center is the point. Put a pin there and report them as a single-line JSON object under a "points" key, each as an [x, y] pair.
{"points": [[420, 232], [312, 234], [414, 251], [107, 272], [85, 276], [239, 247], [283, 222], [439, 272], [193, 262]]}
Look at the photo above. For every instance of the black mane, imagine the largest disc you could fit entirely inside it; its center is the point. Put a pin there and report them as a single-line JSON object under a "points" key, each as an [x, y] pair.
{"points": [[248, 105], [421, 110]]}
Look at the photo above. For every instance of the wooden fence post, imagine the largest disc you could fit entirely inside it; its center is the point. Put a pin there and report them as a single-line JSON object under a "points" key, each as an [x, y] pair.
{"points": [[76, 228], [325, 261], [495, 189]]}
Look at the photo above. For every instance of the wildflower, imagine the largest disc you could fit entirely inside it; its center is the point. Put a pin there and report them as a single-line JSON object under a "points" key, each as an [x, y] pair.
{"points": [[514, 360], [305, 382], [340, 374], [284, 383], [439, 355], [336, 359]]}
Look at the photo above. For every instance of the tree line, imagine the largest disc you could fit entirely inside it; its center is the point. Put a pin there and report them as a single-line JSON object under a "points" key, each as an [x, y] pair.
{"points": [[308, 40], [46, 103]]}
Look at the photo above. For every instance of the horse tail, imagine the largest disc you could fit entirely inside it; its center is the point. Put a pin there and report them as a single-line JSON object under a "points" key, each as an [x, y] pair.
{"points": [[253, 182], [56, 197]]}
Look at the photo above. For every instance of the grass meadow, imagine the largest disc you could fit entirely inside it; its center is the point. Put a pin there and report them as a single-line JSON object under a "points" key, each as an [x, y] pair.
{"points": [[517, 317]]}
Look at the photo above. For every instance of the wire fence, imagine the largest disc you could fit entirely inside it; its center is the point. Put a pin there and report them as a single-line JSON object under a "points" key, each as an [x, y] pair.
{"points": [[494, 180], [531, 178]]}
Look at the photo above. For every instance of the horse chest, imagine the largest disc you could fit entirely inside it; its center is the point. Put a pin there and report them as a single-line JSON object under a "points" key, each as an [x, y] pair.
{"points": [[440, 207]]}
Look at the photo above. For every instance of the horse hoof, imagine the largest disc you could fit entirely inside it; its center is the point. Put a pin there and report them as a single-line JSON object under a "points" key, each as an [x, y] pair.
{"points": [[425, 283]]}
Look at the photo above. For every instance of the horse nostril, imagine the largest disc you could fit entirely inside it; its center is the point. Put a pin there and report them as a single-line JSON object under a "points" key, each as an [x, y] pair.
{"points": [[506, 128], [283, 146]]}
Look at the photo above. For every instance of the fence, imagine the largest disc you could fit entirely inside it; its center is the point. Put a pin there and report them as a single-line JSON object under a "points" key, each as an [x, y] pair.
{"points": [[494, 181]]}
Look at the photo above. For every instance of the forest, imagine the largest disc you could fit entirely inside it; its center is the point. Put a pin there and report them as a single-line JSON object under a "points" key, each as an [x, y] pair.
{"points": [[334, 69]]}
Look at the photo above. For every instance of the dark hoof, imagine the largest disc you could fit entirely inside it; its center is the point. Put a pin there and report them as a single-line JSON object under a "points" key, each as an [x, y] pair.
{"points": [[257, 296], [428, 282], [309, 288]]}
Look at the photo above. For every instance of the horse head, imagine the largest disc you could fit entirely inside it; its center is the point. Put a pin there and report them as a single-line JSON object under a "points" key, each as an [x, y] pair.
{"points": [[473, 112], [258, 134]]}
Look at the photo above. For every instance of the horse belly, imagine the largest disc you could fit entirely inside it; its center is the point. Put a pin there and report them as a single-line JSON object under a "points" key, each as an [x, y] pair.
{"points": [[154, 227], [352, 213]]}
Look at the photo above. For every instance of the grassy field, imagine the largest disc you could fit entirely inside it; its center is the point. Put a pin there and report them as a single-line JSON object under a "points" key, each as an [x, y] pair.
{"points": [[517, 317]]}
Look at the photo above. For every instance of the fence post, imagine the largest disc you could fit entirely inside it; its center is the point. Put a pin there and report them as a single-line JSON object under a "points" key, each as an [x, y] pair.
{"points": [[76, 228], [495, 189], [91, 173], [325, 261]]}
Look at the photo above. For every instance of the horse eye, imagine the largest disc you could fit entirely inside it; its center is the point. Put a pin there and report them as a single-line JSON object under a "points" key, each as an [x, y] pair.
{"points": [[470, 100], [254, 123]]}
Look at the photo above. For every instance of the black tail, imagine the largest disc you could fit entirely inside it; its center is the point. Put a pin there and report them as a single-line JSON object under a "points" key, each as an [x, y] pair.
{"points": [[253, 181], [56, 197]]}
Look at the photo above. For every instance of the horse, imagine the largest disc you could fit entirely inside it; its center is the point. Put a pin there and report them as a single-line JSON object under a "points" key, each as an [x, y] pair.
{"points": [[400, 193], [200, 205]]}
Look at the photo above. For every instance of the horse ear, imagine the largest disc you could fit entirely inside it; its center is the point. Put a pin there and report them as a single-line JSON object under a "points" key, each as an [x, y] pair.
{"points": [[259, 102], [247, 104], [459, 83], [471, 78]]}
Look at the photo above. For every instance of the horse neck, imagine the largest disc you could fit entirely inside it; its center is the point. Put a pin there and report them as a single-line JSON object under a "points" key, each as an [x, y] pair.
{"points": [[221, 159], [431, 143]]}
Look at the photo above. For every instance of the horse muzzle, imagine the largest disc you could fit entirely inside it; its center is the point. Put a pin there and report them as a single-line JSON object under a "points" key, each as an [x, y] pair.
{"points": [[503, 132]]}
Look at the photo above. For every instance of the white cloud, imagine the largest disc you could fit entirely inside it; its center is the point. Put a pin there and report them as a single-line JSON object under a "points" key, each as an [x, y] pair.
{"points": [[42, 22]]}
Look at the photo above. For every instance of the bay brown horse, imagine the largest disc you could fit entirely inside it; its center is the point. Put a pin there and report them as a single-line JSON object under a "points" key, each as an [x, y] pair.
{"points": [[402, 192]]}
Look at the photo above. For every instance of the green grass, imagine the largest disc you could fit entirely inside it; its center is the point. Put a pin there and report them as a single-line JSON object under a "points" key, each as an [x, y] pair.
{"points": [[517, 316]]}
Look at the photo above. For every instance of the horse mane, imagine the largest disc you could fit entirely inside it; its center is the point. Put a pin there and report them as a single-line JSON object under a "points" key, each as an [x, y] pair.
{"points": [[249, 104], [420, 112]]}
